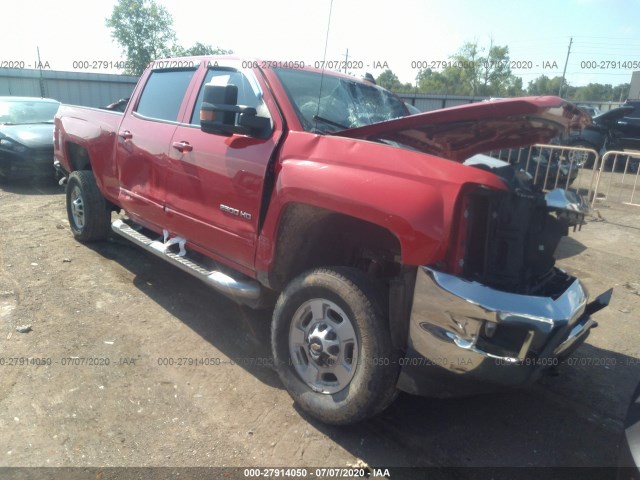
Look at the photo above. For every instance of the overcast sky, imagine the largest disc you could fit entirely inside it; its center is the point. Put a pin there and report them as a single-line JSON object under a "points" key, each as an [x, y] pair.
{"points": [[399, 33]]}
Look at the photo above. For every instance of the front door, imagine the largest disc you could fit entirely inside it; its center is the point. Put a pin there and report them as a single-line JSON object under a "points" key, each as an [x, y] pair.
{"points": [[215, 182]]}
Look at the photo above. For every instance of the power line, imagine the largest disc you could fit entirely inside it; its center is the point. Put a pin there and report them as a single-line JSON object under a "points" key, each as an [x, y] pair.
{"points": [[608, 44]]}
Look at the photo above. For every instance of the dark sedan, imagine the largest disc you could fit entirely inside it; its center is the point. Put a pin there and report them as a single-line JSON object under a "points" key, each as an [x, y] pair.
{"points": [[617, 129], [26, 137]]}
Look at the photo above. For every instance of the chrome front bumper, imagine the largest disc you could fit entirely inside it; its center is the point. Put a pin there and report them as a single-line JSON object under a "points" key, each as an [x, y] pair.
{"points": [[467, 338]]}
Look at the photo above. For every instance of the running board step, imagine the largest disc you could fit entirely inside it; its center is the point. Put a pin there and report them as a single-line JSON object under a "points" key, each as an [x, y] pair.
{"points": [[242, 289]]}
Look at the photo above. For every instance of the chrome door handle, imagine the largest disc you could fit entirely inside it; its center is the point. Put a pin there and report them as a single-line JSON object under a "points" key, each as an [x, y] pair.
{"points": [[182, 146]]}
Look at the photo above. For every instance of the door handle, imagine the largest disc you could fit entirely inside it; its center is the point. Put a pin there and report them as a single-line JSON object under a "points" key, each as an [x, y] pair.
{"points": [[182, 146], [125, 135]]}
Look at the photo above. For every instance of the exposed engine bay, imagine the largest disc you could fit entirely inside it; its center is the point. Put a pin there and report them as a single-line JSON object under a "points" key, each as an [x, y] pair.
{"points": [[509, 237]]}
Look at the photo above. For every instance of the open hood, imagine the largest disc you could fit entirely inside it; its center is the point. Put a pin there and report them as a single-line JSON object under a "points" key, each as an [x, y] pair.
{"points": [[457, 133]]}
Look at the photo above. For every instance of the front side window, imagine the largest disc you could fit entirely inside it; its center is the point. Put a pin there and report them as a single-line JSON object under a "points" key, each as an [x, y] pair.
{"points": [[163, 94], [326, 103], [249, 94]]}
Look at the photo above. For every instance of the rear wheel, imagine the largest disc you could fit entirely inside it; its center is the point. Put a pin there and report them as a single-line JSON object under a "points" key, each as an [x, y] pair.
{"points": [[88, 211], [332, 347]]}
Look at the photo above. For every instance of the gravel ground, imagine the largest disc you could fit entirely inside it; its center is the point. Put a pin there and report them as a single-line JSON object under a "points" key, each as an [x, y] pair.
{"points": [[113, 303]]}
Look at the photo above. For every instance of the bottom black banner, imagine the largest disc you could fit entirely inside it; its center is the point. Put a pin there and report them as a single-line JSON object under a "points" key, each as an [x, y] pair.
{"points": [[341, 473]]}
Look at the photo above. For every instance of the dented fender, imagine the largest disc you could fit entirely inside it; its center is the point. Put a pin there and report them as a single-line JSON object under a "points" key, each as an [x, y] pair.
{"points": [[411, 194]]}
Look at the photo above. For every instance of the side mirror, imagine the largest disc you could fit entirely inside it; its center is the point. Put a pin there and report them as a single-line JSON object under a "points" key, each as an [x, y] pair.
{"points": [[220, 113]]}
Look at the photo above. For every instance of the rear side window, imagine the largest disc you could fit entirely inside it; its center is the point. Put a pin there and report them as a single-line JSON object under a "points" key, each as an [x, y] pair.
{"points": [[163, 94]]}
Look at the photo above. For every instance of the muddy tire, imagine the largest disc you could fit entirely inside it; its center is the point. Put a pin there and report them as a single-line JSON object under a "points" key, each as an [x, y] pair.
{"points": [[332, 347], [89, 213]]}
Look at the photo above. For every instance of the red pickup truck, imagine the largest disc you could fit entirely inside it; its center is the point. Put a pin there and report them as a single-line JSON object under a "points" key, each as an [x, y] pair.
{"points": [[395, 260]]}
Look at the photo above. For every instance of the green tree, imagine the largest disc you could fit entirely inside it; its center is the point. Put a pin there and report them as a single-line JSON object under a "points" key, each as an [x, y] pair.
{"points": [[490, 74], [602, 92], [514, 87], [144, 31], [621, 92], [389, 80], [448, 82], [466, 71], [494, 74], [544, 85], [198, 49], [472, 72], [594, 91]]}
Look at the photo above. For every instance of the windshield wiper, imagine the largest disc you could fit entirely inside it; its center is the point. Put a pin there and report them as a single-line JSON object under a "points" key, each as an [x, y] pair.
{"points": [[330, 122]]}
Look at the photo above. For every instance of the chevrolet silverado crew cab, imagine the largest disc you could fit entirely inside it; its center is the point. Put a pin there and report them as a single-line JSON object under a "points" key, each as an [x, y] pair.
{"points": [[396, 255]]}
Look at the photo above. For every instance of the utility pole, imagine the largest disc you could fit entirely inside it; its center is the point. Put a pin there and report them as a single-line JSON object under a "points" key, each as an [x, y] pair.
{"points": [[565, 68], [346, 60], [42, 92]]}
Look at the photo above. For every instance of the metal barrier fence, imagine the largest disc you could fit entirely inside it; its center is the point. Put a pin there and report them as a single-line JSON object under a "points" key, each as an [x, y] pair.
{"points": [[617, 178], [556, 166]]}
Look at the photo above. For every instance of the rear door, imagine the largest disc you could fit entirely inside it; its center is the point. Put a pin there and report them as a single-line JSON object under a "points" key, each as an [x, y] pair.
{"points": [[215, 182], [143, 143]]}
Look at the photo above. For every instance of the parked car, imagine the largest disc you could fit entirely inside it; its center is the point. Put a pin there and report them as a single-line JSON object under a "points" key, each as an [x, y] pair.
{"points": [[26, 136], [629, 126], [617, 129], [395, 266], [590, 109]]}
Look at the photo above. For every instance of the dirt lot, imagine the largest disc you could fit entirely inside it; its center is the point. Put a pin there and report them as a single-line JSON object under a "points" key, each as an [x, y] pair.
{"points": [[114, 303]]}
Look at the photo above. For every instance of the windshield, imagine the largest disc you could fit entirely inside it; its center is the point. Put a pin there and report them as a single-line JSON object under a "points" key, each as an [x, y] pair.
{"points": [[20, 112], [343, 103]]}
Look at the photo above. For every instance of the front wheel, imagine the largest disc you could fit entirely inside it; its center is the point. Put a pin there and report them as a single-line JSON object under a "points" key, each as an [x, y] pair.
{"points": [[582, 159], [88, 211], [332, 347]]}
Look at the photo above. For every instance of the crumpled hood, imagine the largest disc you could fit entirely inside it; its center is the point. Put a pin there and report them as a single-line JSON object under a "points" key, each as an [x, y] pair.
{"points": [[36, 135], [457, 133]]}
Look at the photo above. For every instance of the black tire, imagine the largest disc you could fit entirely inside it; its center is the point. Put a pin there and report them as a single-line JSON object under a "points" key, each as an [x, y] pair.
{"points": [[88, 212], [590, 159], [375, 366]]}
